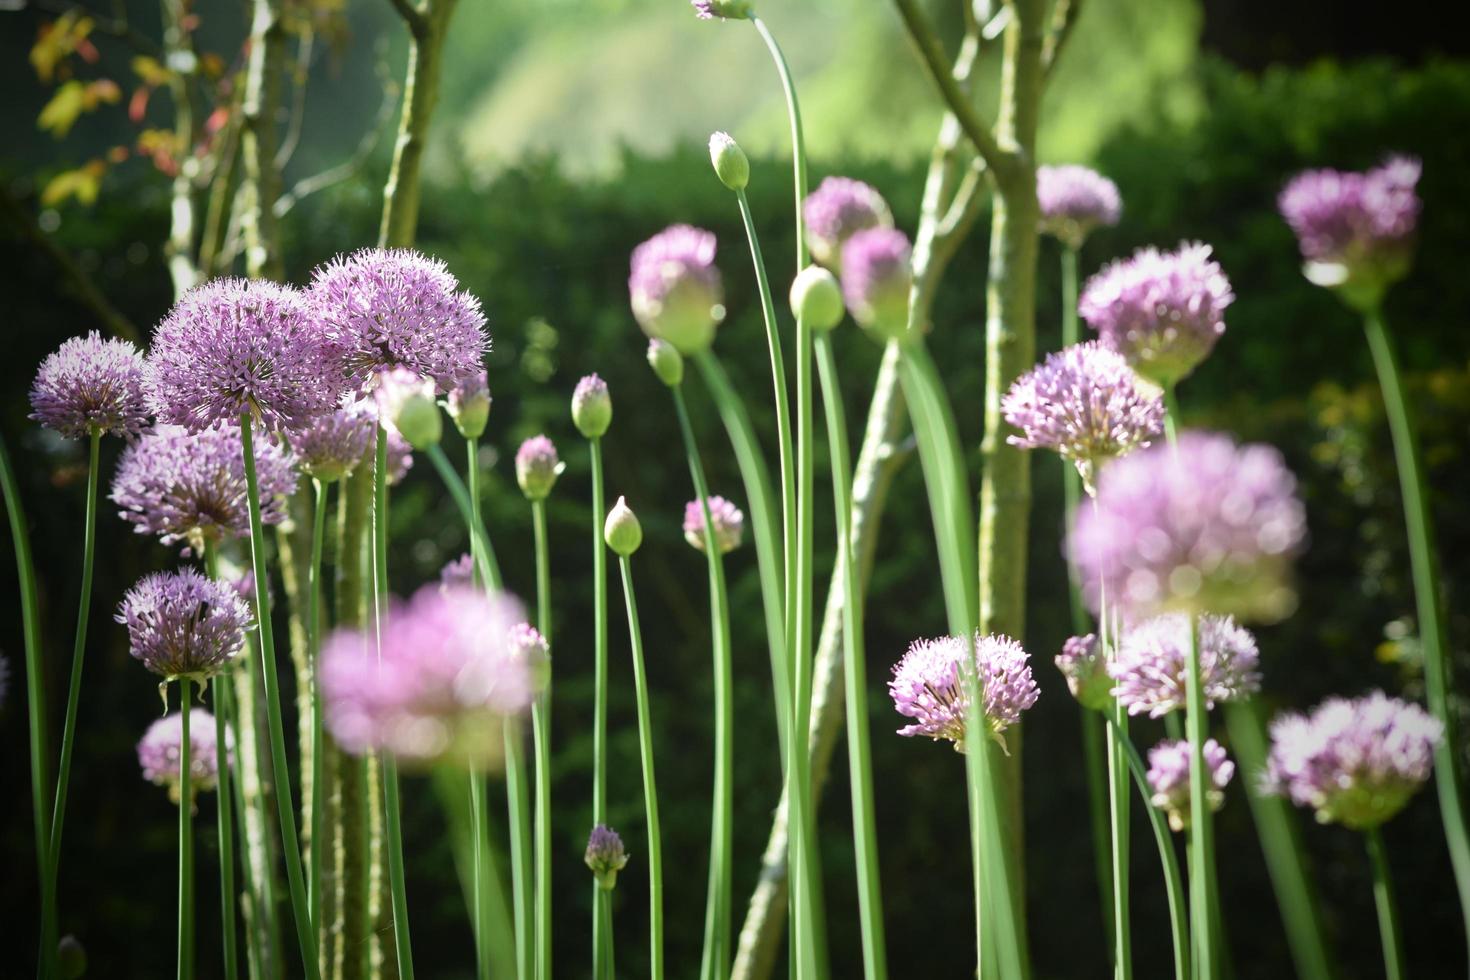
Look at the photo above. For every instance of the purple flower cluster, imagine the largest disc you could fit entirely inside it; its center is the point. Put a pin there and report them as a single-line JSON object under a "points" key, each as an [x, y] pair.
{"points": [[839, 208], [1355, 762], [605, 856], [233, 347], [1083, 664], [930, 685], [190, 486], [537, 467], [1153, 660], [1168, 776], [332, 445], [1163, 311], [390, 308], [159, 753], [447, 673], [1085, 403], [1074, 200], [721, 9], [1206, 526], [877, 272], [91, 385], [458, 573], [675, 288], [728, 519], [182, 625]]}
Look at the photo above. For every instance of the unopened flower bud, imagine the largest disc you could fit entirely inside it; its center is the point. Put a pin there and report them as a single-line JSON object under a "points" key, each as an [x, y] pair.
{"points": [[816, 298], [469, 405], [621, 531], [666, 362], [71, 958], [591, 407], [537, 467], [731, 165], [876, 276], [406, 402], [675, 289], [605, 856]]}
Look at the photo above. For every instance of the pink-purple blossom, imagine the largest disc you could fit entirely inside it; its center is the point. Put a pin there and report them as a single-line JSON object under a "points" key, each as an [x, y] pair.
{"points": [[592, 407], [605, 856], [877, 272], [458, 572], [183, 625], [729, 524], [931, 685], [537, 467], [721, 9], [1075, 200], [468, 404], [1169, 765], [675, 288], [160, 752], [1083, 664], [332, 445], [839, 208], [91, 385], [1151, 663]]}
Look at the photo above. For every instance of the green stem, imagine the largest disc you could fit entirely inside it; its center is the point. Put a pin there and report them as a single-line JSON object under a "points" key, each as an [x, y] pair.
{"points": [[290, 845], [220, 693], [601, 920], [1394, 967], [715, 962], [353, 861], [1119, 800], [1201, 818], [798, 140], [481, 550], [318, 742], [650, 787], [1070, 333], [541, 737], [1171, 415], [517, 799], [479, 816], [1438, 673], [186, 836]]}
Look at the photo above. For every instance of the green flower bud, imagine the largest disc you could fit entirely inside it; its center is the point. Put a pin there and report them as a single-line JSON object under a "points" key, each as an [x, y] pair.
{"points": [[406, 401], [731, 165], [591, 407], [605, 856], [469, 406], [666, 362], [537, 467], [622, 532], [816, 298]]}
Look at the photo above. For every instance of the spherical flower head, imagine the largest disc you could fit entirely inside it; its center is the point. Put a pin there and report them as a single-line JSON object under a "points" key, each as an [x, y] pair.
{"points": [[390, 308], [190, 486], [839, 208], [729, 161], [1355, 762], [444, 683], [816, 298], [877, 271], [233, 347], [530, 649], [1152, 663], [1163, 311], [458, 573], [1075, 200], [667, 363], [591, 407], [537, 467], [605, 856], [721, 9], [1168, 777], [182, 625], [406, 404], [469, 404], [729, 524], [675, 288], [1206, 526], [1085, 403], [160, 751], [1084, 666], [931, 685], [621, 531], [331, 446], [1356, 230], [91, 385]]}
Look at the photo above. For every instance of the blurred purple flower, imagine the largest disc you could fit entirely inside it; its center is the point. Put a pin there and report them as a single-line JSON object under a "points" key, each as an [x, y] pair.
{"points": [[929, 685], [729, 524], [839, 208], [605, 856], [537, 467], [91, 385], [1074, 200], [592, 407], [159, 752], [1168, 776], [1083, 664], [675, 288], [1152, 661], [468, 404], [458, 573], [333, 444], [182, 625], [877, 272]]}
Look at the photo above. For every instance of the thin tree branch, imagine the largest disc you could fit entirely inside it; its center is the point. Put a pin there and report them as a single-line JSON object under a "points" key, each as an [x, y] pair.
{"points": [[116, 26], [414, 15], [1063, 19], [298, 97]]}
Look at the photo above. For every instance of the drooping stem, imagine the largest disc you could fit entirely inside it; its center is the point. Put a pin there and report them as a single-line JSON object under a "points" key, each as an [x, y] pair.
{"points": [[1438, 675], [186, 835], [1201, 817], [1387, 905], [798, 139], [219, 689], [318, 743], [541, 737], [290, 844]]}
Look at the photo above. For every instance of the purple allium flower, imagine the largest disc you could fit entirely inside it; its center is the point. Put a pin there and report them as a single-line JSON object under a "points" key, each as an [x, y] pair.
{"points": [[839, 208], [675, 288], [400, 457], [332, 445], [1168, 775], [389, 308], [537, 467], [1207, 526], [729, 524], [529, 648], [877, 271], [190, 486], [929, 685], [232, 347], [159, 752], [1085, 403], [1355, 762], [182, 625], [458, 573], [469, 404], [721, 9], [1084, 665], [592, 407], [1152, 662], [605, 856], [447, 677], [1074, 200], [1163, 311], [1356, 230], [91, 385], [406, 405]]}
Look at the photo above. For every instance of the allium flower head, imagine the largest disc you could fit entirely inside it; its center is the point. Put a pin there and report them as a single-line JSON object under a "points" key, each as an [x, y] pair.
{"points": [[91, 385], [406, 404], [458, 572], [675, 288], [537, 467], [469, 404], [1163, 311], [1355, 762], [1085, 403], [182, 625], [1168, 776], [729, 524], [592, 407], [1083, 663], [721, 9], [605, 856], [159, 753], [930, 685], [1356, 230], [389, 308], [190, 486], [332, 445], [446, 679], [1153, 659], [839, 208], [1074, 200], [877, 271], [232, 347], [529, 648], [1207, 526]]}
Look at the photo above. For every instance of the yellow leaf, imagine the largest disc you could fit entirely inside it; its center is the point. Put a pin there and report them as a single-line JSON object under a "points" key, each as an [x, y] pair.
{"points": [[82, 183], [57, 41], [62, 111], [100, 91], [150, 71]]}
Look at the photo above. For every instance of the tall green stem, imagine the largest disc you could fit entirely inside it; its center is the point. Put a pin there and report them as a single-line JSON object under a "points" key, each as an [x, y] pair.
{"points": [[1425, 566], [290, 845], [318, 743], [602, 899], [541, 736], [1201, 818], [186, 835], [1119, 801], [219, 688], [1387, 905], [478, 803], [798, 139]]}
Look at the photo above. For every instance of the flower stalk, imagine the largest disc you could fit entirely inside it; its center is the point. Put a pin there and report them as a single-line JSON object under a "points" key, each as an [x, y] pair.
{"points": [[602, 899], [219, 689], [318, 743], [541, 738], [1394, 967], [186, 836], [1201, 820]]}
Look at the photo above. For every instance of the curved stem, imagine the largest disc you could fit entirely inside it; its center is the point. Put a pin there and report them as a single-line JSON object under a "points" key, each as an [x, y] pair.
{"points": [[318, 743], [219, 689], [1201, 818], [541, 736], [798, 140], [1387, 905], [186, 835], [290, 845]]}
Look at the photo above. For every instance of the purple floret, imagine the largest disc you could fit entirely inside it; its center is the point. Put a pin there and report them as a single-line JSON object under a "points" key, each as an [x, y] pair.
{"points": [[1355, 228], [929, 685], [1151, 663], [183, 625], [1074, 200], [728, 519], [839, 208], [91, 385], [160, 748], [1168, 776]]}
